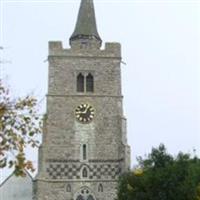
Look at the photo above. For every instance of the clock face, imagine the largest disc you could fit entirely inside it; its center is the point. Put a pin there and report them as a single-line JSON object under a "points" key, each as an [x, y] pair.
{"points": [[84, 113]]}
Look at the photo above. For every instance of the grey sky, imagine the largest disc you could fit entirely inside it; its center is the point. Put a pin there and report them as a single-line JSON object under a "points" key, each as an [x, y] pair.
{"points": [[161, 48]]}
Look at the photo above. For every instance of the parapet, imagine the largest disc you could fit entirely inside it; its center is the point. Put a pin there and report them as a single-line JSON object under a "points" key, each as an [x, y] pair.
{"points": [[114, 48], [55, 46], [111, 50]]}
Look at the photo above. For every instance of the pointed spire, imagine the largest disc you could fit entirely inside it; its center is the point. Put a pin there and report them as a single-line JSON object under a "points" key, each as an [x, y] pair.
{"points": [[86, 23]]}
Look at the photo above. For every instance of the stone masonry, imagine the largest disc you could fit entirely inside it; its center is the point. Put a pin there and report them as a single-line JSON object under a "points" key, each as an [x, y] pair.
{"points": [[65, 171]]}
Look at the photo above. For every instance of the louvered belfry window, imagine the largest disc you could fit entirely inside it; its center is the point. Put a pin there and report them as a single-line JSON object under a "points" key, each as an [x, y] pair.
{"points": [[85, 82], [80, 83], [89, 83]]}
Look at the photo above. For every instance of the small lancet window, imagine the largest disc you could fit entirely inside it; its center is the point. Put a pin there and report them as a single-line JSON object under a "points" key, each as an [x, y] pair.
{"points": [[100, 188], [80, 83], [84, 152], [84, 173], [68, 188], [89, 83]]}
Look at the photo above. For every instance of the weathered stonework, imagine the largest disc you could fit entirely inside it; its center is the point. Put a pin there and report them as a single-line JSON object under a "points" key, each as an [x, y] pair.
{"points": [[61, 164]]}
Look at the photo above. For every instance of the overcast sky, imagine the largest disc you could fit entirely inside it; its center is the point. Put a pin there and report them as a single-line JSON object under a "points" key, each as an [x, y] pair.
{"points": [[161, 48]]}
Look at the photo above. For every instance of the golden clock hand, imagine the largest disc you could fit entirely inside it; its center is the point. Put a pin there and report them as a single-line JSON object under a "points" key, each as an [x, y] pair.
{"points": [[84, 112], [86, 109]]}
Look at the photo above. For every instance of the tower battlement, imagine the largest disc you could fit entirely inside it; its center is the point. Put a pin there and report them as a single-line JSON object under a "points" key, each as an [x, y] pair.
{"points": [[111, 50]]}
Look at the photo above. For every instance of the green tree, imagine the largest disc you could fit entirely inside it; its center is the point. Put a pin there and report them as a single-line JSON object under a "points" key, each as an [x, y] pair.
{"points": [[19, 128], [162, 177]]}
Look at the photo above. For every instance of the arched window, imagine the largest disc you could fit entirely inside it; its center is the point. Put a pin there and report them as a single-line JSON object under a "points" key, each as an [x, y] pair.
{"points": [[68, 188], [80, 83], [84, 173], [84, 152], [100, 188], [85, 195], [89, 83]]}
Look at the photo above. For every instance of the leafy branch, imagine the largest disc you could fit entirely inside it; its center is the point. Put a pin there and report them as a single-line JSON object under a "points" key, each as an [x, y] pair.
{"points": [[20, 126]]}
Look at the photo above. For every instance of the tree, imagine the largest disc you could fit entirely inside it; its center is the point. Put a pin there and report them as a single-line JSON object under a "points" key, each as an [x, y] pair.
{"points": [[162, 177], [19, 128]]}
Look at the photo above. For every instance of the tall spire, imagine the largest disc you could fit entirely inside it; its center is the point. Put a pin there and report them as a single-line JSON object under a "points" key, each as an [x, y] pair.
{"points": [[86, 28]]}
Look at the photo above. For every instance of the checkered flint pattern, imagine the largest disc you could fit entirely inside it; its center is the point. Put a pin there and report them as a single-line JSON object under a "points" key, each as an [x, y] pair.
{"points": [[73, 171]]}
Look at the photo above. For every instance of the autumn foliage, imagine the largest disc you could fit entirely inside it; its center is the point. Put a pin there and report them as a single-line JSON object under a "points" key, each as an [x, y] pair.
{"points": [[19, 128]]}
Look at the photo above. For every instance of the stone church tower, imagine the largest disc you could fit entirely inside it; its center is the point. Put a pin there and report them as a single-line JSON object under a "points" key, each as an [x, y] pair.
{"points": [[84, 146]]}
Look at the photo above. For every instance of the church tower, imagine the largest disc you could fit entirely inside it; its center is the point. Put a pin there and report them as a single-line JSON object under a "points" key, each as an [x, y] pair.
{"points": [[84, 147]]}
